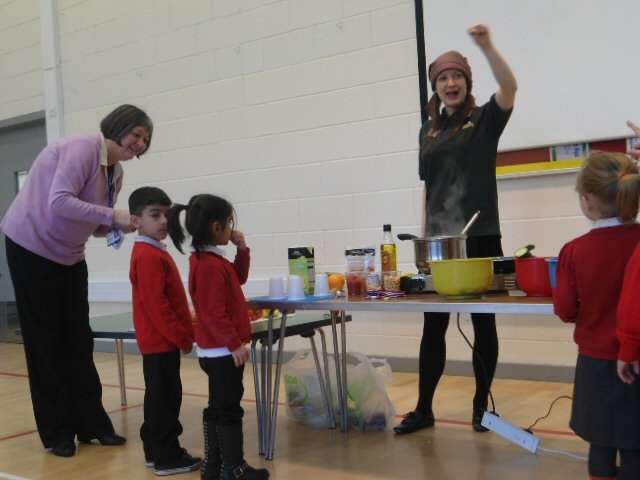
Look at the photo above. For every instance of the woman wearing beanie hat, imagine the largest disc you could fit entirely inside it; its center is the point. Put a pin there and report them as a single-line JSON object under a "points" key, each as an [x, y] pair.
{"points": [[458, 149]]}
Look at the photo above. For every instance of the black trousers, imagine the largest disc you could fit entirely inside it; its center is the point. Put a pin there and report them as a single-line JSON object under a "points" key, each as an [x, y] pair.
{"points": [[225, 390], [162, 401], [433, 347], [53, 307]]}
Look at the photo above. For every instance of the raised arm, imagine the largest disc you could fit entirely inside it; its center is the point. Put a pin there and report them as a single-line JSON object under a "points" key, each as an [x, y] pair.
{"points": [[507, 84]]}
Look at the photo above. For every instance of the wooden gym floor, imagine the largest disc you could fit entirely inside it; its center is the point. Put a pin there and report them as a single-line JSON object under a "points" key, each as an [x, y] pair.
{"points": [[450, 450]]}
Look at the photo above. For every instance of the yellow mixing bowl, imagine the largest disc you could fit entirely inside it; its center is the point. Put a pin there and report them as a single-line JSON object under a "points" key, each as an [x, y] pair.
{"points": [[462, 277]]}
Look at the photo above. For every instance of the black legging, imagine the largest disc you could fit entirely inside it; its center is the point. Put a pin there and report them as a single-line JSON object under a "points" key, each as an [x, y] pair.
{"points": [[602, 462], [433, 347], [433, 353]]}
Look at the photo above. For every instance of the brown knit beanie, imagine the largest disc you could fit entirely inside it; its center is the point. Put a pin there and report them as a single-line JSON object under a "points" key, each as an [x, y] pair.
{"points": [[449, 60]]}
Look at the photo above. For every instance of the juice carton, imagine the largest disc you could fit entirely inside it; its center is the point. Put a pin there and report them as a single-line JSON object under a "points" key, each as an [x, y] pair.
{"points": [[302, 262]]}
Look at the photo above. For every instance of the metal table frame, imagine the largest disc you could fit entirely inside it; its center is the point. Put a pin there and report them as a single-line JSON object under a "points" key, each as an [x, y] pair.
{"points": [[266, 388], [492, 303]]}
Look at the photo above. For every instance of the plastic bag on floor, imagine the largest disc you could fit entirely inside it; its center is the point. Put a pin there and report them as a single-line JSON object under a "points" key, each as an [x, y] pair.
{"points": [[368, 404], [304, 399]]}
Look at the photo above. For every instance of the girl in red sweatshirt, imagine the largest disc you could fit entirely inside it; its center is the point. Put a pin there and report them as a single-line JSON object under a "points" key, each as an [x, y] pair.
{"points": [[591, 267], [223, 328]]}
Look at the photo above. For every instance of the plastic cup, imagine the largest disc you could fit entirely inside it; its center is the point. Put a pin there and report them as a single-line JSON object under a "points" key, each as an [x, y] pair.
{"points": [[321, 285], [295, 288], [276, 287], [356, 283], [373, 281]]}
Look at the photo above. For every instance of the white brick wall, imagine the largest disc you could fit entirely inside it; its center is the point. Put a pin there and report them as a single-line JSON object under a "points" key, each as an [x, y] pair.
{"points": [[304, 113]]}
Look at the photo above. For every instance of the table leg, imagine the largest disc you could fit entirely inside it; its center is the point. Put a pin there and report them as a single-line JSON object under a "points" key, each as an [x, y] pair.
{"points": [[327, 375], [120, 357], [341, 370], [328, 407], [343, 333], [276, 385], [257, 384]]}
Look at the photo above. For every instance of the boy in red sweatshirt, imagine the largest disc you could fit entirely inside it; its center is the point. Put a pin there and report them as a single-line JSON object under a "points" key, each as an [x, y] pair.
{"points": [[162, 321]]}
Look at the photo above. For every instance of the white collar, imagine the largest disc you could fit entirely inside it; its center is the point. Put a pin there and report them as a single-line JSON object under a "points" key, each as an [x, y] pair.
{"points": [[607, 222], [151, 241], [104, 153], [213, 249]]}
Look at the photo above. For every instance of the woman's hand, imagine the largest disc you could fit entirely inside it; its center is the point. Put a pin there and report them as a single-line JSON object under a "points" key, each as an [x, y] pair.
{"points": [[237, 238], [122, 220], [506, 93], [628, 371], [635, 151], [481, 35], [240, 356]]}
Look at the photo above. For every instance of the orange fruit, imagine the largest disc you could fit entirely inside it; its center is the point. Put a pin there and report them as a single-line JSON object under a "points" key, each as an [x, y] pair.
{"points": [[336, 281]]}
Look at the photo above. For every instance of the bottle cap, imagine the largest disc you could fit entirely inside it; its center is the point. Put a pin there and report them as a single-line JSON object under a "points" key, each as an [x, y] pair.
{"points": [[386, 227]]}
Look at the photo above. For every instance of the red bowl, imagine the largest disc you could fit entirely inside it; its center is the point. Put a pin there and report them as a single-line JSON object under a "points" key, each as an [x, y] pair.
{"points": [[532, 276]]}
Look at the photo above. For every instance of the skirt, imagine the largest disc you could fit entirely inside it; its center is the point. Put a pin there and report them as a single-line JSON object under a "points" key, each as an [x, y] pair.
{"points": [[605, 410]]}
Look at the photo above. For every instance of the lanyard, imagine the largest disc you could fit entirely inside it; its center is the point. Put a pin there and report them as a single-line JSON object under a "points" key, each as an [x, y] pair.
{"points": [[115, 236], [111, 189]]}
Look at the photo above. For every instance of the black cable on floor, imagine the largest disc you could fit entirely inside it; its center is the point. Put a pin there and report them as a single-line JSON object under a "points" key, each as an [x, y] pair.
{"points": [[548, 413], [484, 369]]}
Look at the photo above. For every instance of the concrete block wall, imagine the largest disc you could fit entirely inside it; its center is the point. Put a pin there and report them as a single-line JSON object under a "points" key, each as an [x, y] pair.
{"points": [[303, 113], [21, 79]]}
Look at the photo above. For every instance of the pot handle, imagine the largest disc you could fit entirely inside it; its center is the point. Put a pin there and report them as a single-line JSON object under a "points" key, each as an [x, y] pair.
{"points": [[406, 236]]}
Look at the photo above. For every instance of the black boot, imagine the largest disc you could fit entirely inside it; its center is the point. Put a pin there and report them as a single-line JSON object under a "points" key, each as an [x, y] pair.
{"points": [[212, 463], [234, 467]]}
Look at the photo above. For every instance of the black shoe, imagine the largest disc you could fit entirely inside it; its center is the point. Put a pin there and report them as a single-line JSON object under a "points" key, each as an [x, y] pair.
{"points": [[65, 449], [111, 440], [476, 420], [185, 463], [413, 421]]}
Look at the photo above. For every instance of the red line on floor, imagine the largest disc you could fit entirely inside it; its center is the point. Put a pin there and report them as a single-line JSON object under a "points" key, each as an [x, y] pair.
{"points": [[17, 435], [10, 374]]}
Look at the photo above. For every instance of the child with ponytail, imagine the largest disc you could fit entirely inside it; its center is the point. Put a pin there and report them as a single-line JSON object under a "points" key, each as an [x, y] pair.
{"points": [[223, 328], [589, 280]]}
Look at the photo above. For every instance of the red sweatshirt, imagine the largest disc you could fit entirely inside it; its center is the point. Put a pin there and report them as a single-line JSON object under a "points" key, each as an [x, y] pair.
{"points": [[629, 311], [161, 314], [216, 292], [588, 285]]}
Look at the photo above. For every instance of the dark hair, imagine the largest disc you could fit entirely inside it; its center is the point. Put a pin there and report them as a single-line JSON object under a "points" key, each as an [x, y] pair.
{"points": [[201, 213], [121, 121], [612, 178], [144, 196]]}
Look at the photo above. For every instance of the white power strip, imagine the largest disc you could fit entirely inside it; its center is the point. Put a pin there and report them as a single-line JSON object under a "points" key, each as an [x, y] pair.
{"points": [[517, 435]]}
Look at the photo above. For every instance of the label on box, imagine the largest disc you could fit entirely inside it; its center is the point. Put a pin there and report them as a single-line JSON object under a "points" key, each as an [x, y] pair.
{"points": [[302, 262]]}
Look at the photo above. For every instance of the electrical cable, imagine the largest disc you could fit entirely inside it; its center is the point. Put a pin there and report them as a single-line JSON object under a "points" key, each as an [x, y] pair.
{"points": [[486, 379], [549, 412], [562, 452], [484, 369]]}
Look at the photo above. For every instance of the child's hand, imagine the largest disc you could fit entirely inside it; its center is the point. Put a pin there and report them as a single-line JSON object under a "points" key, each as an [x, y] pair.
{"points": [[628, 371], [635, 151], [237, 238], [240, 356]]}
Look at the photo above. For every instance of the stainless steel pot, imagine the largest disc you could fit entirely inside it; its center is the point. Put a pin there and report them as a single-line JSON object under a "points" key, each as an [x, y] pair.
{"points": [[443, 247]]}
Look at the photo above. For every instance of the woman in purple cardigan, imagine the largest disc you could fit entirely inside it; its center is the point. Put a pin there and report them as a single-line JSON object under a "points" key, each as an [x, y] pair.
{"points": [[69, 195]]}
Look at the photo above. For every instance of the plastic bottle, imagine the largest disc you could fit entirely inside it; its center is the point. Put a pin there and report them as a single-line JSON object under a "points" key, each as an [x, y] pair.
{"points": [[388, 250]]}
